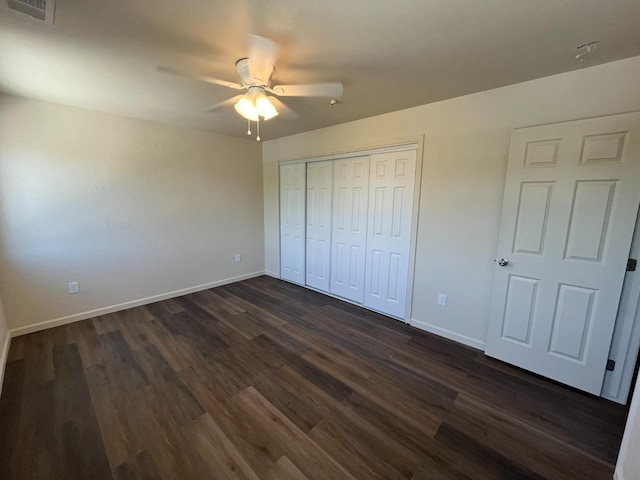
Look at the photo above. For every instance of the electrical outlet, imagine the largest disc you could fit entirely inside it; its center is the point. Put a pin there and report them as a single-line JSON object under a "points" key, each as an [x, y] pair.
{"points": [[74, 287], [442, 299], [238, 258]]}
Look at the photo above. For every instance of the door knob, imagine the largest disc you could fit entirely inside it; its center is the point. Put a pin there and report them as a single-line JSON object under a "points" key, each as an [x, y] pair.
{"points": [[503, 262]]}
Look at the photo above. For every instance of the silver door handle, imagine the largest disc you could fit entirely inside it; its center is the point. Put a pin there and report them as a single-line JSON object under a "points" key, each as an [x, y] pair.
{"points": [[503, 262]]}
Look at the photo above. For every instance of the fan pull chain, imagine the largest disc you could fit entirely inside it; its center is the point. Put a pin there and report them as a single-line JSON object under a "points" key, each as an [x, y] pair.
{"points": [[248, 127], [258, 126]]}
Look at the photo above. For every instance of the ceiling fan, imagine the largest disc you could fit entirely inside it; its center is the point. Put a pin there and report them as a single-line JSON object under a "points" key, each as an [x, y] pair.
{"points": [[255, 73]]}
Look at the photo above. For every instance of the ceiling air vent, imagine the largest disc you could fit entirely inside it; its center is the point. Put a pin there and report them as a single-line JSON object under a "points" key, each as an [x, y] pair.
{"points": [[39, 9]]}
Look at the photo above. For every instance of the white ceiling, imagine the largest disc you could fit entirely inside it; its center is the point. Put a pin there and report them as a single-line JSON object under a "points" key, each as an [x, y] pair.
{"points": [[390, 54]]}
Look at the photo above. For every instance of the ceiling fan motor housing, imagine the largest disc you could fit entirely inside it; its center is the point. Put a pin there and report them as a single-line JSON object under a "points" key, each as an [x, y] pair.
{"points": [[248, 80]]}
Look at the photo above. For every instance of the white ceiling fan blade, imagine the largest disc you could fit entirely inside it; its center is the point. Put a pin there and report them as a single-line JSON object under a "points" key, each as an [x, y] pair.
{"points": [[263, 54], [225, 103], [283, 109], [199, 78], [329, 90]]}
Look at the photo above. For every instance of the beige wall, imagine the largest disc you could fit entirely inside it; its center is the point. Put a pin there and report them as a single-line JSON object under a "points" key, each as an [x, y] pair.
{"points": [[628, 466], [466, 142], [130, 209]]}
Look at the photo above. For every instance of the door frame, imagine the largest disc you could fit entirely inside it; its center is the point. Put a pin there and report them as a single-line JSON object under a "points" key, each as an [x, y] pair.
{"points": [[625, 343], [413, 142]]}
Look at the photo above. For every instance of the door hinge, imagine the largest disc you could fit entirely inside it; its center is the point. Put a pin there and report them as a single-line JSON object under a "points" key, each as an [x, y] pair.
{"points": [[611, 365], [632, 263]]}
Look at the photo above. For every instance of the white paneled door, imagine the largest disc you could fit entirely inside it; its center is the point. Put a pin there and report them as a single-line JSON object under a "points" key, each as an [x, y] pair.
{"points": [[391, 187], [571, 197], [319, 194], [292, 222], [349, 230]]}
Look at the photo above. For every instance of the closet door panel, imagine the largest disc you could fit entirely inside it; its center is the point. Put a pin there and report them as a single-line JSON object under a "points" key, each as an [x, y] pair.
{"points": [[319, 196], [349, 227], [292, 222], [391, 189]]}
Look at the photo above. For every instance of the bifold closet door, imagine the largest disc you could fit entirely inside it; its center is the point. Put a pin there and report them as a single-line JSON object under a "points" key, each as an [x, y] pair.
{"points": [[319, 193], [292, 220], [391, 189], [349, 227]]}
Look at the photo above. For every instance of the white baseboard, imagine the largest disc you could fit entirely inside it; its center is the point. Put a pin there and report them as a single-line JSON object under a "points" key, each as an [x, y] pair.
{"points": [[618, 475], [76, 317], [442, 332], [272, 274], [3, 357]]}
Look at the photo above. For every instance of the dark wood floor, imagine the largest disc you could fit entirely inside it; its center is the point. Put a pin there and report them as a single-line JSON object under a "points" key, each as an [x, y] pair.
{"points": [[262, 379]]}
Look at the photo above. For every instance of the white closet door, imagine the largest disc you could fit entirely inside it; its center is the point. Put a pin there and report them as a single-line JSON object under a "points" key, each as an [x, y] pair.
{"points": [[349, 227], [391, 187], [319, 184], [292, 213]]}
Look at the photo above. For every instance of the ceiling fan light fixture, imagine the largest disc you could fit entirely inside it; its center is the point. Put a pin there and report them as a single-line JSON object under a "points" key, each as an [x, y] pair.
{"points": [[254, 105], [247, 109], [265, 108]]}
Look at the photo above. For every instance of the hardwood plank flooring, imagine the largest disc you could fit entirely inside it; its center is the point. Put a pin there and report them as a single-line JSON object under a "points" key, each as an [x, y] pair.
{"points": [[266, 380]]}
